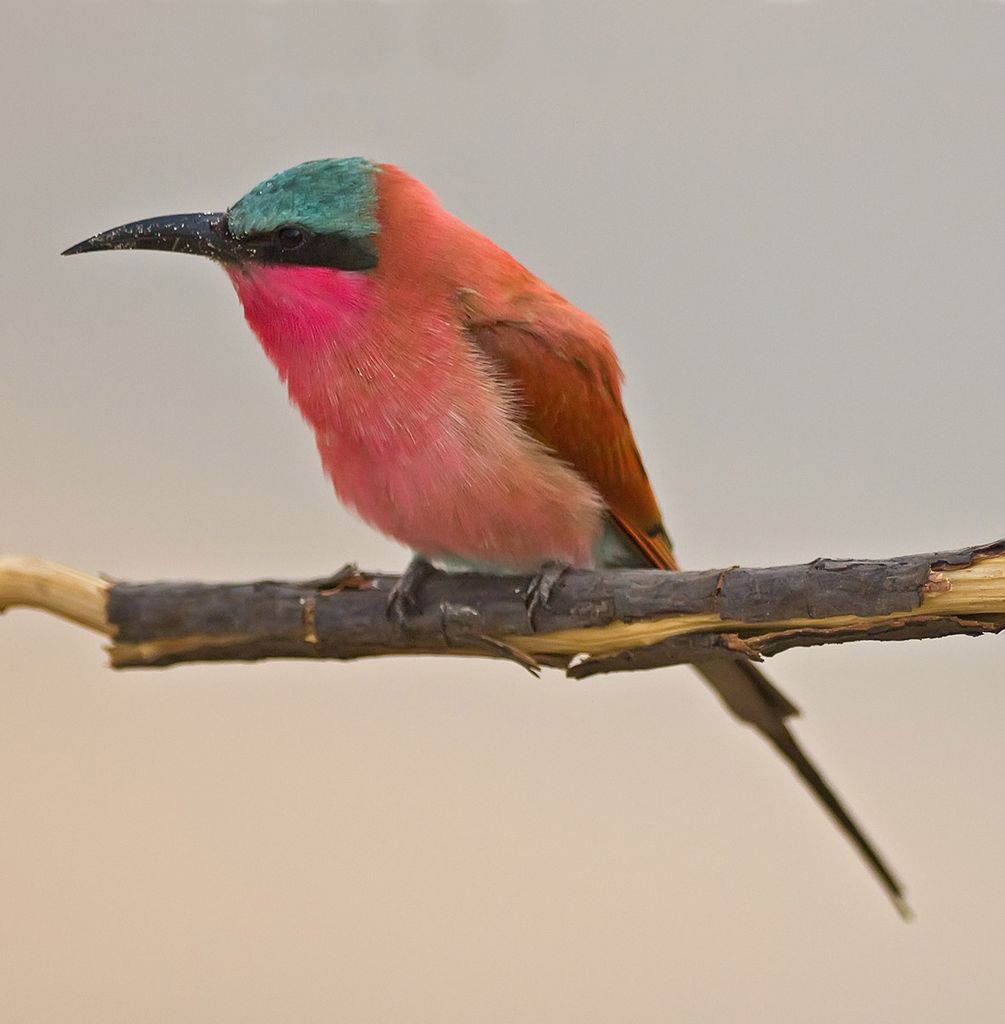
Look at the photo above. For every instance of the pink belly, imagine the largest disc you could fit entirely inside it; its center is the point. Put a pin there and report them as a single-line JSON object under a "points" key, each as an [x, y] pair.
{"points": [[441, 499]]}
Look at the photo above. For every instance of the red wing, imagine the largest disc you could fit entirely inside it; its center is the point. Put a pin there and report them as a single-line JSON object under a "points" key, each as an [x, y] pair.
{"points": [[568, 386]]}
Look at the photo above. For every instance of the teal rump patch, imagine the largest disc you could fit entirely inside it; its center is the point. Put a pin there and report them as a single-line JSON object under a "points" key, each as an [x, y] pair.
{"points": [[328, 197]]}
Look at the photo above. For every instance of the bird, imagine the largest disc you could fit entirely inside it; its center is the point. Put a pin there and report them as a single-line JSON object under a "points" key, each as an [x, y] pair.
{"points": [[460, 404]]}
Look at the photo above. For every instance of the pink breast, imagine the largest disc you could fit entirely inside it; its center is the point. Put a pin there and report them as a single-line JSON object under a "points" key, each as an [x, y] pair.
{"points": [[412, 433]]}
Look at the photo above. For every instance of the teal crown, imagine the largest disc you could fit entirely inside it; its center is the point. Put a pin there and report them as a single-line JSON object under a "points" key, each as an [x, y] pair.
{"points": [[328, 197]]}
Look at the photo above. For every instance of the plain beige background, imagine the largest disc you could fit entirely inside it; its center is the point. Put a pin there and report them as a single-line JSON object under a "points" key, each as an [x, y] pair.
{"points": [[789, 215]]}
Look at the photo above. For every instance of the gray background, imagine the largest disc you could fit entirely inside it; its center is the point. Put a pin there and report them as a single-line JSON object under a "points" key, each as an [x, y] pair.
{"points": [[790, 218]]}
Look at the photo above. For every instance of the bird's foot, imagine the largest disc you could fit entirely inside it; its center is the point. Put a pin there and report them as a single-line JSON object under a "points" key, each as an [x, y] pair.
{"points": [[541, 586], [403, 602]]}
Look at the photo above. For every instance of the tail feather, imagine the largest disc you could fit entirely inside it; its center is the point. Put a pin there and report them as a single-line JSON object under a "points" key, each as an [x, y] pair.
{"points": [[749, 695], [752, 698]]}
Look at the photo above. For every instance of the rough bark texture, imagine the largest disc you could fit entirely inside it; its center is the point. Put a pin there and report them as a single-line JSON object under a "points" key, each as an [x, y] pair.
{"points": [[736, 612]]}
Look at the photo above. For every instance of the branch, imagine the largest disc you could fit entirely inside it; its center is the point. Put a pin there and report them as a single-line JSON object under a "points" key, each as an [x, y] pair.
{"points": [[592, 622]]}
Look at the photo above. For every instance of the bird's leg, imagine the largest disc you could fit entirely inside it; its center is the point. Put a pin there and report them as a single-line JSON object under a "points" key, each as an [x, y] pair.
{"points": [[403, 602], [541, 586]]}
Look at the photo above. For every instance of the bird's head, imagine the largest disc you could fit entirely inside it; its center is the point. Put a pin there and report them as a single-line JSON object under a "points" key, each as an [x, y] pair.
{"points": [[322, 213]]}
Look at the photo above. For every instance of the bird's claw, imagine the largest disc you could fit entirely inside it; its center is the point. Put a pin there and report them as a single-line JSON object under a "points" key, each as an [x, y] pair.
{"points": [[541, 586], [403, 601]]}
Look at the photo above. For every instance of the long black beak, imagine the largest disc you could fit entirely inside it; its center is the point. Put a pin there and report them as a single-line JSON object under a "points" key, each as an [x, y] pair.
{"points": [[202, 234]]}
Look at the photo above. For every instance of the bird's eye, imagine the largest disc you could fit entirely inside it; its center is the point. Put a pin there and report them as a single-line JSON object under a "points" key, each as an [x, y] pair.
{"points": [[290, 237]]}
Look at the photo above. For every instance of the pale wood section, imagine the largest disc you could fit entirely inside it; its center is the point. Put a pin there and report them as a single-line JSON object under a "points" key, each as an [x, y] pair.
{"points": [[31, 582], [972, 590]]}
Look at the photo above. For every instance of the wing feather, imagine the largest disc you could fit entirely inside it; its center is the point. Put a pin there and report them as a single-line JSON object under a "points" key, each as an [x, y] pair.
{"points": [[567, 387]]}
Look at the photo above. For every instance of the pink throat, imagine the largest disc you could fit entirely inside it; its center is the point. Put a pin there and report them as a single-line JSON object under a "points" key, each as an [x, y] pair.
{"points": [[302, 312]]}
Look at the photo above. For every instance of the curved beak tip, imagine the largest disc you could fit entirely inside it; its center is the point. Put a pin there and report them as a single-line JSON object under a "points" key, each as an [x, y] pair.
{"points": [[85, 246]]}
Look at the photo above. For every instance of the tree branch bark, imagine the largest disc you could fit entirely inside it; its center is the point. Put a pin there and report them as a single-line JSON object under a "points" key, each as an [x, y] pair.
{"points": [[593, 621]]}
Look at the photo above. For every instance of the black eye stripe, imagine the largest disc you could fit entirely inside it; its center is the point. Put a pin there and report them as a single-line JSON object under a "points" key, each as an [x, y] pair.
{"points": [[294, 244]]}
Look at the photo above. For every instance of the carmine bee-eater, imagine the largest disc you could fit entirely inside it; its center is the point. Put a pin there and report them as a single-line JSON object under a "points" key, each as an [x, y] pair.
{"points": [[460, 405]]}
